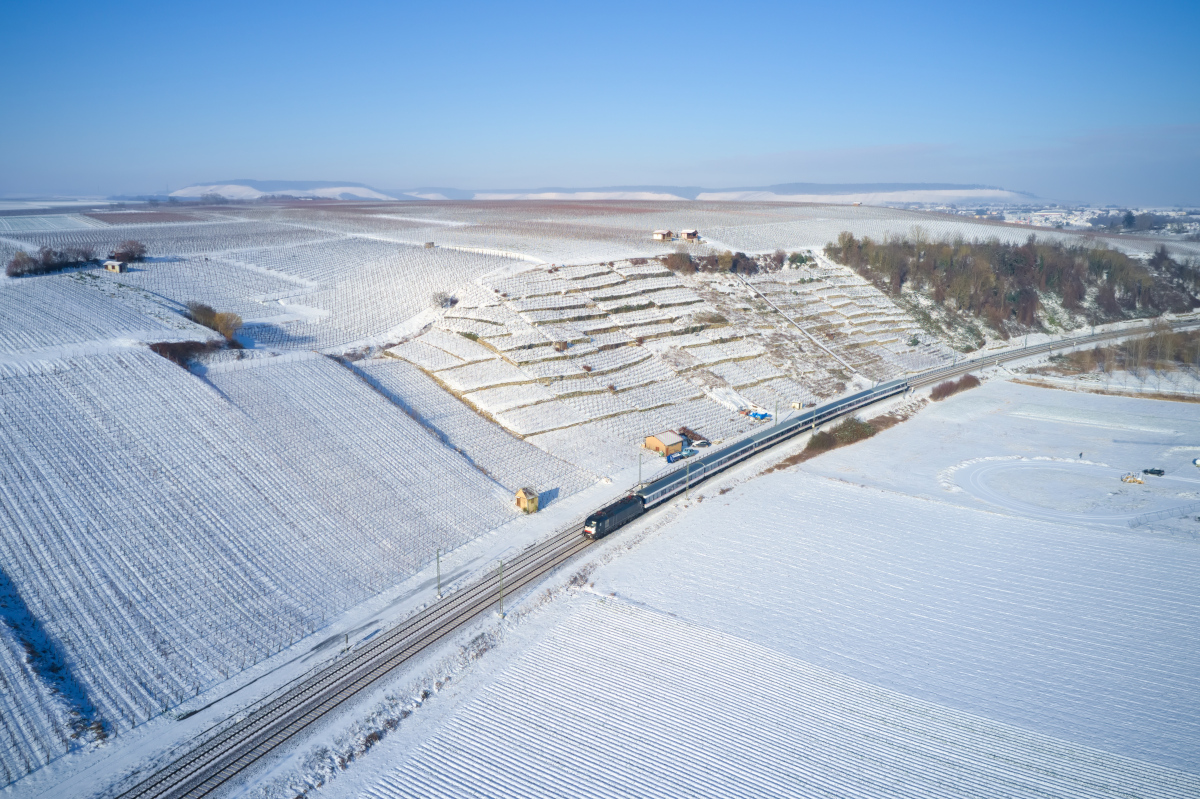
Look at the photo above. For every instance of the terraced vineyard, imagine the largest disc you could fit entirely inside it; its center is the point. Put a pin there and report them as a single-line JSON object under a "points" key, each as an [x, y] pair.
{"points": [[585, 361]]}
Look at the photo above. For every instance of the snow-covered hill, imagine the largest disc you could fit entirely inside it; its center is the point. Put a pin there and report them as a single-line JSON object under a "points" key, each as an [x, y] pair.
{"points": [[254, 189]]}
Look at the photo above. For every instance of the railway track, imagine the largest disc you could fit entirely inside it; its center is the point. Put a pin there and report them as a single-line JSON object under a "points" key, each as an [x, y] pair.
{"points": [[955, 370], [229, 748]]}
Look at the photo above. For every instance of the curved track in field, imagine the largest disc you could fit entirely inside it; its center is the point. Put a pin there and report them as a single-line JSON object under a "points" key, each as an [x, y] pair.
{"points": [[978, 480]]}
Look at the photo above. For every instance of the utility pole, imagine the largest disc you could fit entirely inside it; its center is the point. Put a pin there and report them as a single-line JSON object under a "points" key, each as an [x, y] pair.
{"points": [[639, 468], [439, 572]]}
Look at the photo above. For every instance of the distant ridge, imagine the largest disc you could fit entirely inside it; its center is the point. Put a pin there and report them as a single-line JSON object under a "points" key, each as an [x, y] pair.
{"points": [[869, 193], [243, 189], [845, 193]]}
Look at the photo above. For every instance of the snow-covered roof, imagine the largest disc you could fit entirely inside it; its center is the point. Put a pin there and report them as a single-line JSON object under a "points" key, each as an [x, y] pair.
{"points": [[668, 438]]}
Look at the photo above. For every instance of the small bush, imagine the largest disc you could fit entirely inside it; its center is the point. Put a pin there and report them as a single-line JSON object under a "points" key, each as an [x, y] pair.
{"points": [[22, 264], [822, 441], [180, 352], [681, 262], [637, 261], [950, 387], [943, 390], [586, 368], [227, 324], [852, 430], [561, 346], [469, 334], [848, 432]]}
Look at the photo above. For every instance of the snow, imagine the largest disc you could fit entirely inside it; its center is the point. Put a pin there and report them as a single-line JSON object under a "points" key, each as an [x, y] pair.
{"points": [[47, 311], [20, 224], [931, 196], [812, 635], [483, 374], [508, 460], [234, 191], [166, 533], [617, 700], [498, 400], [165, 551], [540, 418], [1023, 422], [1040, 485]]}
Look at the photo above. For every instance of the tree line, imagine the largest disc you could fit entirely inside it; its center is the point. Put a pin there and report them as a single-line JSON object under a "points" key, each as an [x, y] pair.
{"points": [[685, 263], [1163, 350], [1003, 283], [48, 259]]}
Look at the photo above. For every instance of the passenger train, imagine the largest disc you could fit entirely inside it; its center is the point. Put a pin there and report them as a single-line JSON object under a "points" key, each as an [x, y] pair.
{"points": [[628, 508]]}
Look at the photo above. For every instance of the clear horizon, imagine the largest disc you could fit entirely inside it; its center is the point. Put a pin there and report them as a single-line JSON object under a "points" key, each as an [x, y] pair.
{"points": [[1092, 103]]}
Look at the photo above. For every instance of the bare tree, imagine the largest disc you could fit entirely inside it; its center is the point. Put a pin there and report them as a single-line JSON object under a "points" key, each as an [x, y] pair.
{"points": [[22, 264], [130, 250], [81, 253]]}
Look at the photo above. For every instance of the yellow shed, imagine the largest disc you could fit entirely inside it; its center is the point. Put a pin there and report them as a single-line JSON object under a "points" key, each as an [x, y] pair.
{"points": [[667, 443], [527, 500]]}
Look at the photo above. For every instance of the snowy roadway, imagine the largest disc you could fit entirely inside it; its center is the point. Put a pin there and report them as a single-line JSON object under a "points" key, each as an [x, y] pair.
{"points": [[979, 480]]}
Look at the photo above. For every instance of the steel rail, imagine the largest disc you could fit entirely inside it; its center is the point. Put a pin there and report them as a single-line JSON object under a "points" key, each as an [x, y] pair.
{"points": [[473, 598], [283, 727], [231, 746]]}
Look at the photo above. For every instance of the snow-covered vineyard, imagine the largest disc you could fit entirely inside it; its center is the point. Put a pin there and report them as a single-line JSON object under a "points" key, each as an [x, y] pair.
{"points": [[165, 532], [585, 361], [403, 369], [621, 701], [851, 627]]}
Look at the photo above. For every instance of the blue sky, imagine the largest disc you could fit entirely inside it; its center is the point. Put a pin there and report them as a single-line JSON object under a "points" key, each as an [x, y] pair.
{"points": [[1092, 101]]}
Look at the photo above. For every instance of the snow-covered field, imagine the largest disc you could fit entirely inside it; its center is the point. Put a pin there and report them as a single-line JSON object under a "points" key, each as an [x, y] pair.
{"points": [[61, 310], [509, 461], [873, 632], [1045, 431], [163, 530], [618, 700]]}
